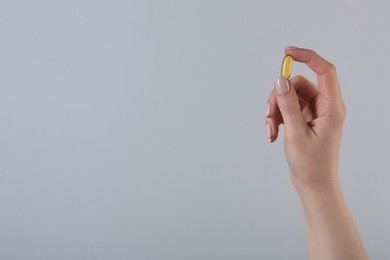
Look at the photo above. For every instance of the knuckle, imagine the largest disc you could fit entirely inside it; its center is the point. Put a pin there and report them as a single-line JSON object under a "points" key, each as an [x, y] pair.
{"points": [[331, 67], [312, 53], [337, 117], [343, 112], [298, 78]]}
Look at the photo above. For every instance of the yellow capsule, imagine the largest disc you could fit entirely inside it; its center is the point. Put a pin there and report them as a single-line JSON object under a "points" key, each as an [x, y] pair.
{"points": [[286, 66]]}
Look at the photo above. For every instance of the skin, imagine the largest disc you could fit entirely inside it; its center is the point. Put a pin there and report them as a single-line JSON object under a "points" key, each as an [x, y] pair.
{"points": [[313, 118]]}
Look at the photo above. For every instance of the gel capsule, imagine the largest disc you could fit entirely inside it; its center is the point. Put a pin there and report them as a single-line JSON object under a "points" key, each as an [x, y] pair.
{"points": [[286, 66]]}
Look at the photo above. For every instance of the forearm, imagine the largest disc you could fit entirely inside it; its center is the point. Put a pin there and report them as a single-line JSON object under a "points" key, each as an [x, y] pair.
{"points": [[330, 231], [313, 118]]}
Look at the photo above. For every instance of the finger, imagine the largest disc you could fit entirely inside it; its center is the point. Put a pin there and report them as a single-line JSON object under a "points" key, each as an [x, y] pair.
{"points": [[289, 106], [304, 88], [327, 80], [273, 129], [272, 106]]}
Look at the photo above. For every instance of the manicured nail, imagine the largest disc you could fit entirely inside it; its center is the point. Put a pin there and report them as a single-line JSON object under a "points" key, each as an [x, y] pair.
{"points": [[282, 86], [291, 48], [268, 130], [268, 111]]}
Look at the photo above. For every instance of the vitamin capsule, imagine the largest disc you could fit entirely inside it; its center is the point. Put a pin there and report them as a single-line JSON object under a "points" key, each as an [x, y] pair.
{"points": [[286, 66]]}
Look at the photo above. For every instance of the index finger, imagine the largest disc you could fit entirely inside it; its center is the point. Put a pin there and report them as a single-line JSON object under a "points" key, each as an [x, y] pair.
{"points": [[328, 83]]}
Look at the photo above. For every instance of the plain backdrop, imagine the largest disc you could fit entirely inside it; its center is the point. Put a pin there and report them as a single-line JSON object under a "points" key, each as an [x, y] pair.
{"points": [[135, 129]]}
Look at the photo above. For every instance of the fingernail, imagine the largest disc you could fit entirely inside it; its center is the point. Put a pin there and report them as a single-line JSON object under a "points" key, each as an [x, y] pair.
{"points": [[291, 48], [268, 110], [282, 86], [268, 130]]}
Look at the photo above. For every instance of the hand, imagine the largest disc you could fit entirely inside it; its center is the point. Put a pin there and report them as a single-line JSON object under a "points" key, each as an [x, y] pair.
{"points": [[313, 119]]}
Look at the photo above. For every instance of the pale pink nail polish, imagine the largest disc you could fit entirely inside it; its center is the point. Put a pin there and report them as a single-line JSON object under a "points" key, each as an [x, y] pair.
{"points": [[282, 86], [291, 48], [268, 130], [268, 111]]}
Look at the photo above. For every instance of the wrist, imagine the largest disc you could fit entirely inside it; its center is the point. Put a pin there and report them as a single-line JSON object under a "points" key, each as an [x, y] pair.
{"points": [[328, 186]]}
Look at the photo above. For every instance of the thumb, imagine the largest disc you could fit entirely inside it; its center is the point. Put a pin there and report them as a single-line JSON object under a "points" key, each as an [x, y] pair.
{"points": [[289, 106]]}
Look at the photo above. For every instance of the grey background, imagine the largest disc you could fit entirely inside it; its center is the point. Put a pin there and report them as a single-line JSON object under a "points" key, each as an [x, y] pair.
{"points": [[135, 129]]}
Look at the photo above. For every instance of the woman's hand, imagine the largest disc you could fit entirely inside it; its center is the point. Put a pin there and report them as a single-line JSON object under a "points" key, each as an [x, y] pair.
{"points": [[313, 120]]}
